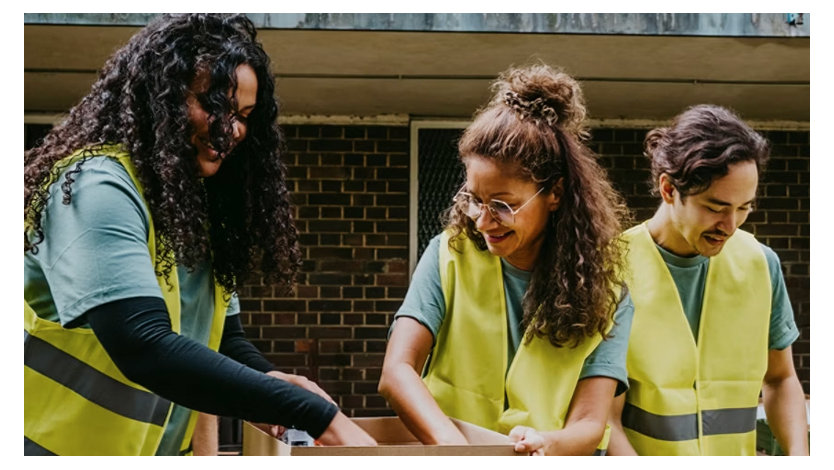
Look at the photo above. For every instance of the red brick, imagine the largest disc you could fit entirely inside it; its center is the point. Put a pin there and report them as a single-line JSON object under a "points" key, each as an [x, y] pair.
{"points": [[375, 401], [329, 373], [284, 332], [392, 279], [352, 401], [329, 332], [364, 146], [304, 345], [330, 346], [333, 388]]}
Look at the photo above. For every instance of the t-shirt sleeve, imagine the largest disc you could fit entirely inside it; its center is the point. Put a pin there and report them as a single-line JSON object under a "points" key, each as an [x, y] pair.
{"points": [[609, 358], [783, 330], [95, 249], [424, 300], [234, 306]]}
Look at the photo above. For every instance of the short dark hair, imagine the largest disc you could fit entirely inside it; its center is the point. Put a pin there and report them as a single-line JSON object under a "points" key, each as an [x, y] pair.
{"points": [[700, 145]]}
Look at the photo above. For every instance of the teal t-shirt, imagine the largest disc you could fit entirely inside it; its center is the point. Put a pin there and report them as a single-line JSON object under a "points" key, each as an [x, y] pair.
{"points": [[95, 251], [424, 302], [690, 276]]}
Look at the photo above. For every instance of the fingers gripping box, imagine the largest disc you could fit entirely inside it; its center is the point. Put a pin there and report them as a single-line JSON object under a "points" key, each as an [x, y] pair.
{"points": [[393, 438]]}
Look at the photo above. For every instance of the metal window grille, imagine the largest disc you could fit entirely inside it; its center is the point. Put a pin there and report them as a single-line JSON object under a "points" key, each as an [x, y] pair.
{"points": [[439, 176]]}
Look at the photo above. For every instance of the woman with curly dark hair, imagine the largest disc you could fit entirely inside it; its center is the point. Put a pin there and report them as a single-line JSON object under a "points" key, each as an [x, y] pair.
{"points": [[518, 305], [145, 210]]}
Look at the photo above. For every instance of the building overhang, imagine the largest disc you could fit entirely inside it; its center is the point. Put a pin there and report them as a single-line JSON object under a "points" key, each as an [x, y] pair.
{"points": [[631, 66]]}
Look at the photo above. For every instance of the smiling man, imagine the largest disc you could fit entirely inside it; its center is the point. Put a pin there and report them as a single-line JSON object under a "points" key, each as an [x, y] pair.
{"points": [[712, 325]]}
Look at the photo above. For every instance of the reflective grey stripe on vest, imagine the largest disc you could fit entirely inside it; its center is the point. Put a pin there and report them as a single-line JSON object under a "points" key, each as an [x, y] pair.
{"points": [[31, 447], [685, 427], [599, 452], [665, 428], [728, 421], [93, 385]]}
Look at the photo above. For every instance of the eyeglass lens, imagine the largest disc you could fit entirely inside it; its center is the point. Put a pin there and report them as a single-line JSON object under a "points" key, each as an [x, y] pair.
{"points": [[499, 210]]}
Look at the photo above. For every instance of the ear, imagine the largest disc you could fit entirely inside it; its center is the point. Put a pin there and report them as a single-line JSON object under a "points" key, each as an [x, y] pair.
{"points": [[666, 188], [554, 199]]}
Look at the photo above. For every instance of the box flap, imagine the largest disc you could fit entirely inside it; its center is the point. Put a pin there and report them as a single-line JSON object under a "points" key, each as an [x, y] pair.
{"points": [[477, 435], [257, 442], [393, 439]]}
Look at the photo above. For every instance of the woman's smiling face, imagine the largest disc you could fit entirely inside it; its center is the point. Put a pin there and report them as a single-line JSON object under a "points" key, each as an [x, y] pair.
{"points": [[208, 159], [518, 243]]}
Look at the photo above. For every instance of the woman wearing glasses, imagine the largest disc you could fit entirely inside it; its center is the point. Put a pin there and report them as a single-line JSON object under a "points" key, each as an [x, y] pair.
{"points": [[516, 316]]}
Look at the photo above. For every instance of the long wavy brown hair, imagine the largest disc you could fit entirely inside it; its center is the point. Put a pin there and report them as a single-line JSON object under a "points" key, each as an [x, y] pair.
{"points": [[537, 119], [240, 218]]}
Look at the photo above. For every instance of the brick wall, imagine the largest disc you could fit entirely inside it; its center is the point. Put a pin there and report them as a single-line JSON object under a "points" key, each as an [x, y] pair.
{"points": [[350, 189]]}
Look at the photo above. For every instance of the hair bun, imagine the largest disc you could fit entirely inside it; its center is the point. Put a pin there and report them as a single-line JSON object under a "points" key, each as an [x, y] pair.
{"points": [[536, 108], [543, 93]]}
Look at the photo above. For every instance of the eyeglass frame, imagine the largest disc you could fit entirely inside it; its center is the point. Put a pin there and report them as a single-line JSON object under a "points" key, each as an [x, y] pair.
{"points": [[490, 209]]}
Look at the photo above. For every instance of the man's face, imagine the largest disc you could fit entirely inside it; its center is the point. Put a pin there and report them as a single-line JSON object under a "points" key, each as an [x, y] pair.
{"points": [[702, 223]]}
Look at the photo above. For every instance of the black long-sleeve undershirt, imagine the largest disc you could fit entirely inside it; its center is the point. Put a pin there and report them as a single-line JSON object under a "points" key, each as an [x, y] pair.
{"points": [[235, 345], [137, 335]]}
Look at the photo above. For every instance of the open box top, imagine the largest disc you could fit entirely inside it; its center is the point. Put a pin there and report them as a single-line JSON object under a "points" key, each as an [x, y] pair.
{"points": [[393, 439]]}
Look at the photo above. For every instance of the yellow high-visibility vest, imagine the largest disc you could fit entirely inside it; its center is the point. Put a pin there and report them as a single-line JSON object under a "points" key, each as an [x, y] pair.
{"points": [[76, 401], [466, 372], [687, 398]]}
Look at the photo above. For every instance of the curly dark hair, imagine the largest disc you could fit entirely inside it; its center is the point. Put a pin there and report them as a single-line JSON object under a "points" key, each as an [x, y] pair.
{"points": [[240, 219], [537, 120], [699, 147]]}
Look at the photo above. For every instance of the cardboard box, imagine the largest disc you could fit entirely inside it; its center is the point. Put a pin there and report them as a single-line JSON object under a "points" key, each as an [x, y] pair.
{"points": [[393, 438]]}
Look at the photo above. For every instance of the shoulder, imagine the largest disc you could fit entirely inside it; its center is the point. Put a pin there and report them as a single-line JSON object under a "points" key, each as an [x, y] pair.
{"points": [[635, 229], [770, 255], [101, 188], [96, 172], [774, 266], [623, 315]]}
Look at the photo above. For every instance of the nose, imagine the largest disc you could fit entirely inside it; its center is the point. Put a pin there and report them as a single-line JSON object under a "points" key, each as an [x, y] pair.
{"points": [[727, 224], [485, 220], [238, 131]]}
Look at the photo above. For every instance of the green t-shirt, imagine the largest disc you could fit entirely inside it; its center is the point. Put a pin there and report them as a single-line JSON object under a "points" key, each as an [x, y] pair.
{"points": [[424, 302], [95, 251], [690, 275]]}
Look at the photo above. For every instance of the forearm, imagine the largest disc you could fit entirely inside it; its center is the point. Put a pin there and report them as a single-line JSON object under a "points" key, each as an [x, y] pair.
{"points": [[235, 345], [577, 438], [784, 403], [205, 438], [141, 343], [416, 407], [618, 444]]}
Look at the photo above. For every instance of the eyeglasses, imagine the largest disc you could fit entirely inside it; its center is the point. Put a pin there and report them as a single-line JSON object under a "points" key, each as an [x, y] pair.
{"points": [[499, 210]]}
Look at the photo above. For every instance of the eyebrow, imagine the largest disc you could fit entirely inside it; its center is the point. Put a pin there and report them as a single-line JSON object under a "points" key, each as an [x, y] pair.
{"points": [[719, 202], [493, 195]]}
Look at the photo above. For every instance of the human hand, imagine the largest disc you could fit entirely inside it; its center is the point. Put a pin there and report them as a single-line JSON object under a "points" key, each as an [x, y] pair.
{"points": [[343, 432], [274, 430], [527, 440], [303, 382]]}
